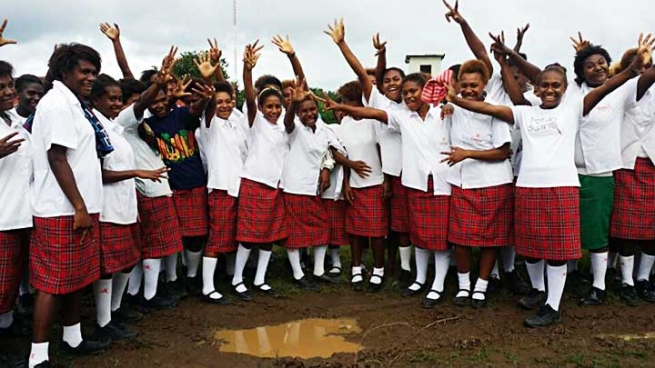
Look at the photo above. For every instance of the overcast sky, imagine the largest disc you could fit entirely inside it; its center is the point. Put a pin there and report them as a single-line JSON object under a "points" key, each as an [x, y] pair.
{"points": [[149, 27]]}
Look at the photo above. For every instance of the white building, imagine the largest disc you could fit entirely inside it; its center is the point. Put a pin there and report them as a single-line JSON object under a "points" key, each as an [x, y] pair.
{"points": [[430, 64]]}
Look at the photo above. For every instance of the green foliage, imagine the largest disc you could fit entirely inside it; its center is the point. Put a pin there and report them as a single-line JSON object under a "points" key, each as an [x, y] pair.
{"points": [[185, 65], [327, 116]]}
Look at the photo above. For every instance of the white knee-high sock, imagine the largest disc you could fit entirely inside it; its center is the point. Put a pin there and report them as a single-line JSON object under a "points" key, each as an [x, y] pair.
{"points": [[294, 260], [598, 269], [556, 281], [405, 257], [171, 267], [536, 273], [627, 267], [645, 266], [441, 264], [262, 266], [192, 262], [150, 277], [208, 269], [335, 256], [119, 281], [421, 256], [102, 294], [464, 280], [136, 277], [240, 263], [509, 257], [319, 259]]}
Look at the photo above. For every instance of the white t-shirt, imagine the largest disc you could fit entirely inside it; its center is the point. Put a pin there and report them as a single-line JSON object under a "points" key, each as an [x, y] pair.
{"points": [[119, 204], [390, 141], [423, 142], [59, 120], [15, 117], [549, 144], [144, 157], [334, 191], [361, 138], [268, 152], [15, 179], [473, 131], [638, 130]]}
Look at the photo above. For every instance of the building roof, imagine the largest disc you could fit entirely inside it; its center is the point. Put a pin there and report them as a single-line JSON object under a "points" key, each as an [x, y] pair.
{"points": [[441, 56]]}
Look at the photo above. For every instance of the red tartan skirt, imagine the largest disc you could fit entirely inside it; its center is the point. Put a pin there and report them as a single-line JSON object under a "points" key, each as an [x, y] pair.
{"points": [[428, 214], [337, 214], [222, 222], [261, 216], [307, 220], [14, 244], [191, 209], [633, 216], [160, 228], [60, 263], [120, 247], [547, 223], [368, 215], [399, 206], [482, 217]]}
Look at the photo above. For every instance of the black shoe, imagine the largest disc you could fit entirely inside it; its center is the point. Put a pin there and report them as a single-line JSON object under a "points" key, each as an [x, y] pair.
{"points": [[546, 316], [305, 284], [45, 364], [462, 301], [21, 327], [207, 298], [115, 331], [335, 272], [533, 300], [326, 279], [612, 279], [494, 284], [373, 287], [158, 302], [479, 303], [86, 347], [595, 297], [408, 293], [357, 285], [516, 284], [193, 286], [175, 289], [126, 314], [26, 305], [628, 294], [429, 303], [241, 295], [577, 284], [644, 291], [270, 292], [404, 279]]}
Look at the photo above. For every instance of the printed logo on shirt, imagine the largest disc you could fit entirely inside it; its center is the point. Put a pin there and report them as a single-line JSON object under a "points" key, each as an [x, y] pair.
{"points": [[179, 147], [543, 125]]}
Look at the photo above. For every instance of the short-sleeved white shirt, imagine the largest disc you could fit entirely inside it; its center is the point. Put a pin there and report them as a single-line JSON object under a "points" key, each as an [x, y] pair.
{"points": [[479, 132], [144, 157], [16, 118], [268, 152], [15, 178], [334, 191], [638, 130], [361, 139], [119, 204], [391, 149], [549, 144], [423, 144]]}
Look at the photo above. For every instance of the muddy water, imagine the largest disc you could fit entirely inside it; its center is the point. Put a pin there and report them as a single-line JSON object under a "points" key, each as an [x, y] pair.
{"points": [[306, 338]]}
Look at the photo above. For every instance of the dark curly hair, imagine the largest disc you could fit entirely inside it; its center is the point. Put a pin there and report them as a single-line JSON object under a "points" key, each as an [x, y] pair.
{"points": [[131, 87], [582, 55], [100, 84], [267, 80], [66, 58], [417, 78], [25, 79], [474, 66], [224, 87], [351, 91], [6, 70], [556, 67]]}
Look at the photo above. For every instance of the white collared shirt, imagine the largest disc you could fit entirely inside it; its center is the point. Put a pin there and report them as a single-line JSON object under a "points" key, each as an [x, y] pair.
{"points": [[144, 157], [15, 179], [638, 130], [334, 191], [16, 118], [268, 152], [361, 139], [423, 142], [59, 120], [391, 149], [479, 132]]}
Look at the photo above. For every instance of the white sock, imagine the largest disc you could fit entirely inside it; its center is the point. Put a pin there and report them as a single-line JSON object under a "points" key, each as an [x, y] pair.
{"points": [[441, 264], [136, 277], [357, 274], [464, 283], [335, 256], [241, 259], [294, 260], [645, 266], [171, 267], [24, 287], [319, 259], [119, 282], [230, 258], [598, 269], [556, 281], [421, 257], [6, 319], [571, 265], [102, 294], [627, 266], [38, 353], [509, 257], [494, 271], [73, 335], [611, 259], [208, 269], [405, 257], [192, 262], [377, 272], [536, 273], [480, 289], [262, 266], [150, 277]]}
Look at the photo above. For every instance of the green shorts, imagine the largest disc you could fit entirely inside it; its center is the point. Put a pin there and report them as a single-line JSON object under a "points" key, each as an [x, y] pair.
{"points": [[596, 201]]}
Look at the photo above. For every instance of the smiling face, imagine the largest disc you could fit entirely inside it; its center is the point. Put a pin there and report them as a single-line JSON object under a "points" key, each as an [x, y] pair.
{"points": [[551, 88], [271, 107], [223, 105], [308, 113], [159, 106], [411, 92], [595, 70], [7, 93], [471, 86], [80, 79], [110, 103], [391, 85], [30, 96]]}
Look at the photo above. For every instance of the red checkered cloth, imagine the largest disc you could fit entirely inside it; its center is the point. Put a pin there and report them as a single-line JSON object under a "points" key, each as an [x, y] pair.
{"points": [[307, 220], [337, 213], [60, 263], [547, 223], [261, 216], [482, 217], [633, 216], [428, 215], [120, 247], [399, 206], [192, 211], [13, 246], [160, 228], [369, 214], [222, 222], [436, 89]]}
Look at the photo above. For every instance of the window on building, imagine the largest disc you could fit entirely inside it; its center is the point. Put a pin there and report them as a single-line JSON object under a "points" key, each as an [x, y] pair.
{"points": [[426, 69]]}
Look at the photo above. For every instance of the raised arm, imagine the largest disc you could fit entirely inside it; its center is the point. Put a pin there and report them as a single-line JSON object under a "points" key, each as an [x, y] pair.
{"points": [[114, 33], [215, 55], [5, 41], [250, 57], [204, 94], [381, 53], [148, 96], [205, 66], [503, 113], [510, 84], [529, 70], [355, 111], [285, 46], [300, 93], [647, 79], [474, 43], [520, 32]]}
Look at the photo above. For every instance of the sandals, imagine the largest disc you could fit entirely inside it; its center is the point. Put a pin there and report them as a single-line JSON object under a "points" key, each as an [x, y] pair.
{"points": [[219, 301], [462, 301], [241, 295], [408, 292], [429, 303]]}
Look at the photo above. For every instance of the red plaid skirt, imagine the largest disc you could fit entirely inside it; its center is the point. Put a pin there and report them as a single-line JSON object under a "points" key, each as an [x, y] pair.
{"points": [[428, 214], [191, 209], [399, 206], [160, 228], [633, 216], [60, 263], [547, 223], [13, 246], [369, 214], [120, 247], [482, 217], [261, 213], [337, 213], [222, 222], [307, 220]]}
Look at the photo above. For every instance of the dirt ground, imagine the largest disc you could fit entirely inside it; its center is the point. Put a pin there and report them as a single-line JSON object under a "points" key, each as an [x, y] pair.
{"points": [[395, 332]]}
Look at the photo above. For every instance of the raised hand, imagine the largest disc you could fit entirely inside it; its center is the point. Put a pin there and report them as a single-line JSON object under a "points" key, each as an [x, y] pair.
{"points": [[5, 41], [580, 43], [251, 55], [112, 32], [453, 12], [169, 60], [181, 87], [283, 44], [204, 91], [644, 52], [499, 48], [380, 47], [204, 64], [8, 147], [337, 31], [452, 93], [301, 92], [520, 32], [214, 52]]}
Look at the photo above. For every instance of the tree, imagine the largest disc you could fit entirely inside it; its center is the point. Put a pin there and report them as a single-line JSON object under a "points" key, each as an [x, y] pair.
{"points": [[185, 65]]}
